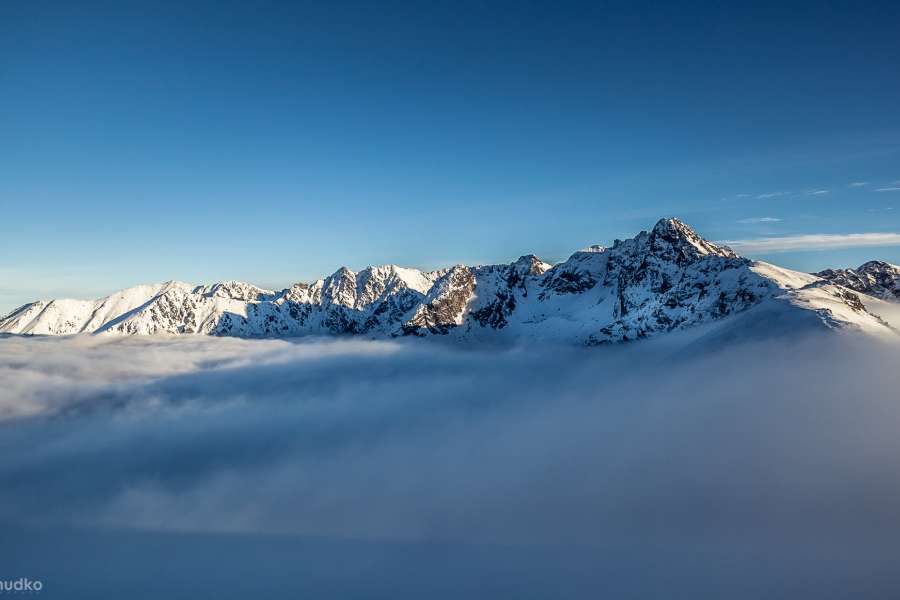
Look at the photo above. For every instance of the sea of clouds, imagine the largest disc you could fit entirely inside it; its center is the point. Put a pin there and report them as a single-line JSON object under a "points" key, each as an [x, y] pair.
{"points": [[404, 468]]}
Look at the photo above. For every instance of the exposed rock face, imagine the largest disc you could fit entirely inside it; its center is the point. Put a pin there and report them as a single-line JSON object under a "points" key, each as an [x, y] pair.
{"points": [[874, 278], [671, 278], [666, 279], [445, 305]]}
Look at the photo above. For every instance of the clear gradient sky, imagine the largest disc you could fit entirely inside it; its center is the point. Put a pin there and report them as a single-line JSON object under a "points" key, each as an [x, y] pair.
{"points": [[274, 142]]}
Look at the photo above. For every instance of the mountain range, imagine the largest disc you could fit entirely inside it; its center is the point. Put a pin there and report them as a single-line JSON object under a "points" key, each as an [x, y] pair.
{"points": [[663, 280]]}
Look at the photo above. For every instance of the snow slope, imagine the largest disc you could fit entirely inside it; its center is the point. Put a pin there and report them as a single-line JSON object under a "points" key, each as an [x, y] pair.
{"points": [[663, 280]]}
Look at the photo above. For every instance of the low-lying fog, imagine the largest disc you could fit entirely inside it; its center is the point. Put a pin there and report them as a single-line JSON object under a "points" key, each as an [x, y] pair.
{"points": [[198, 466]]}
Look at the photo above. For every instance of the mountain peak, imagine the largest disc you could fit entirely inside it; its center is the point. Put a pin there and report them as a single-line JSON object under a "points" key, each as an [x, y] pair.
{"points": [[235, 290], [874, 278], [674, 226], [530, 264], [681, 236], [877, 266]]}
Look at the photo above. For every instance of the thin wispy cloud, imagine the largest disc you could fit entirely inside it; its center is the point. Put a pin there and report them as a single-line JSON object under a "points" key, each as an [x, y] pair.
{"points": [[770, 195], [818, 192], [888, 189], [760, 220], [856, 184], [813, 241]]}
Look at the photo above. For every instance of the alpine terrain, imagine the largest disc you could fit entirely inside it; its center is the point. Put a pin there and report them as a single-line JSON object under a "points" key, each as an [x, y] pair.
{"points": [[663, 280], [874, 278]]}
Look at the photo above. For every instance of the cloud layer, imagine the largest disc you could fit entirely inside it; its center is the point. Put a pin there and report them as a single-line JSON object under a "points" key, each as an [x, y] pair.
{"points": [[648, 446]]}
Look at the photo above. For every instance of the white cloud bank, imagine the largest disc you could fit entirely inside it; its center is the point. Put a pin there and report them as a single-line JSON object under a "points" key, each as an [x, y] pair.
{"points": [[813, 241], [644, 468]]}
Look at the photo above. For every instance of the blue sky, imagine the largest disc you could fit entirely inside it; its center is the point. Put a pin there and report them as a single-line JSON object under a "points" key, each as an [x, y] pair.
{"points": [[275, 142]]}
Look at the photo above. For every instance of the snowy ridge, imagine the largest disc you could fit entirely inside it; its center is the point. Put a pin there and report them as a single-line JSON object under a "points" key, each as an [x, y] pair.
{"points": [[874, 278], [665, 279]]}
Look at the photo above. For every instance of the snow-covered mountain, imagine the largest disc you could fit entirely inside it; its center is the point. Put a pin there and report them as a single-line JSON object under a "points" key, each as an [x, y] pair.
{"points": [[874, 278], [663, 280]]}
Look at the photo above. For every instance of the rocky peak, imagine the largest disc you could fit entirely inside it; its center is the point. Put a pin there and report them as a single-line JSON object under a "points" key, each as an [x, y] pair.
{"points": [[673, 235], [444, 307], [879, 267], [235, 290], [340, 288], [530, 264], [874, 278]]}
